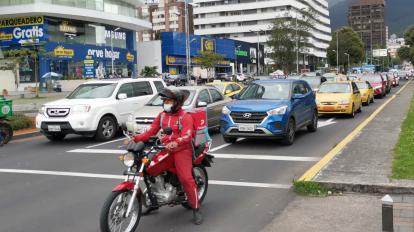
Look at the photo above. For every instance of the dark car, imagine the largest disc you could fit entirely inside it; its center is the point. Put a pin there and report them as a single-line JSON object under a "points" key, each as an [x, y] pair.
{"points": [[176, 80]]}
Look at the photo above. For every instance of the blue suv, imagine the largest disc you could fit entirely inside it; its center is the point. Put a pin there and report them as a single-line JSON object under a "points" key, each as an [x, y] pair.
{"points": [[270, 109]]}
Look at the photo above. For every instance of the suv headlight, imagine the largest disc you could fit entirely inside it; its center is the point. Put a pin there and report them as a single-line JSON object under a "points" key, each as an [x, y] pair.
{"points": [[225, 110], [277, 111], [129, 159], [42, 110], [344, 102], [81, 108]]}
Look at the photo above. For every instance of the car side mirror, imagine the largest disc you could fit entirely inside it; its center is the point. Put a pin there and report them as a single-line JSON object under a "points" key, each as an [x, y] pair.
{"points": [[122, 96], [201, 104], [298, 96]]}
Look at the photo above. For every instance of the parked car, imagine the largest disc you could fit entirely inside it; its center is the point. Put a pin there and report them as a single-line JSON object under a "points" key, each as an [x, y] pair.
{"points": [[367, 92], [200, 96], [176, 80], [223, 76], [227, 88], [96, 108], [270, 109], [341, 97], [377, 82]]}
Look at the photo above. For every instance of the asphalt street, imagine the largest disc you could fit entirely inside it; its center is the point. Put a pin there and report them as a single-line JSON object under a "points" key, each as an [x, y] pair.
{"points": [[62, 186]]}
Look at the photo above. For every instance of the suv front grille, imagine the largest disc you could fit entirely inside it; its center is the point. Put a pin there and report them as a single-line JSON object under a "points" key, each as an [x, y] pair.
{"points": [[58, 112], [248, 117], [141, 120]]}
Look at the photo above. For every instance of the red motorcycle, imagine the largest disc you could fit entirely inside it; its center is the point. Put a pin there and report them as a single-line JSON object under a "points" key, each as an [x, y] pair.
{"points": [[124, 206]]}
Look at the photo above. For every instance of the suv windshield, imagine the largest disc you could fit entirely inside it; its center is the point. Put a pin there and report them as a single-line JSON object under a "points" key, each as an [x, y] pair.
{"points": [[268, 91], [156, 100], [91, 91], [335, 88]]}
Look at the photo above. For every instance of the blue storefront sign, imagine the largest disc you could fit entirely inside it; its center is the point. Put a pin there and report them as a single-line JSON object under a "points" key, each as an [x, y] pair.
{"points": [[89, 68], [23, 30]]}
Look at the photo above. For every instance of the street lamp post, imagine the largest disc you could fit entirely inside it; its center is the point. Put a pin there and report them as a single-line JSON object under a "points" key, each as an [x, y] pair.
{"points": [[349, 67], [112, 51], [187, 40], [337, 52]]}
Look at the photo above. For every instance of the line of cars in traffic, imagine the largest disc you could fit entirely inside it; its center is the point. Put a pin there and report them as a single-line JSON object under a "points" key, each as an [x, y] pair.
{"points": [[265, 108]]}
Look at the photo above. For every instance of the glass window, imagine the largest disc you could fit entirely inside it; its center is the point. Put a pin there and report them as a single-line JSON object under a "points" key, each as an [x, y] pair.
{"points": [[216, 95], [236, 87], [91, 91], [300, 88], [271, 91], [219, 87], [335, 88], [158, 85], [230, 88], [142, 88], [128, 89], [203, 96], [362, 85]]}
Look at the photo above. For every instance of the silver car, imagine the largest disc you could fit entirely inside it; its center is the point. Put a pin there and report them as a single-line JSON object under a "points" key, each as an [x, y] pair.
{"points": [[200, 96]]}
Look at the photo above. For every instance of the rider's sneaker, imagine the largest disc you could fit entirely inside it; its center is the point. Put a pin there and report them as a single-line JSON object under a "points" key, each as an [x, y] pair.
{"points": [[197, 217]]}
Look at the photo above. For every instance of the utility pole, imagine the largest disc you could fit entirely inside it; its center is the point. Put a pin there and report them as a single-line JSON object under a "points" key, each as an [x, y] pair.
{"points": [[337, 51], [187, 41]]}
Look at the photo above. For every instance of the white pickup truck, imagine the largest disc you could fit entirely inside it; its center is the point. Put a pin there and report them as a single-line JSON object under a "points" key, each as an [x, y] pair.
{"points": [[96, 108]]}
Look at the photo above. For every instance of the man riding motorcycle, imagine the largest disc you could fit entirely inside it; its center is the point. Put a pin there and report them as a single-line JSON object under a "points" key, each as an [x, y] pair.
{"points": [[179, 144]]}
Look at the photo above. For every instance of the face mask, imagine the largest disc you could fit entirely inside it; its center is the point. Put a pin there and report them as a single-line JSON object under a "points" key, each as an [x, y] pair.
{"points": [[167, 107]]}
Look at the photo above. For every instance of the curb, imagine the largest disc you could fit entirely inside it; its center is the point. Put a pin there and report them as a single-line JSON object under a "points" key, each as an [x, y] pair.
{"points": [[25, 135], [388, 188]]}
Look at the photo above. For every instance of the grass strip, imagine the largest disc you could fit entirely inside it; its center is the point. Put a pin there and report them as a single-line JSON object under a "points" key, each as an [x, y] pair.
{"points": [[20, 121], [403, 163], [310, 188]]}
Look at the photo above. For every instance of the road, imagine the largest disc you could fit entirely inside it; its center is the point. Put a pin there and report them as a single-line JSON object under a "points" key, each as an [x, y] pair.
{"points": [[49, 186]]}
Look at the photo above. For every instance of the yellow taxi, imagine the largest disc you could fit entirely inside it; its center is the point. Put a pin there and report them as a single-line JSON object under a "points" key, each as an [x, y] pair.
{"points": [[340, 97], [367, 92], [227, 88]]}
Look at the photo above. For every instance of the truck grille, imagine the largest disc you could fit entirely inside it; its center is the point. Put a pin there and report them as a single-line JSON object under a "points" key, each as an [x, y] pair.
{"points": [[58, 112], [141, 120], [248, 117]]}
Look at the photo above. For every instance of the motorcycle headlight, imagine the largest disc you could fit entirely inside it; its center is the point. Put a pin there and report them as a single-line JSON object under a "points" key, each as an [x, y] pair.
{"points": [[225, 110], [81, 108], [344, 102], [42, 110], [277, 111], [129, 159]]}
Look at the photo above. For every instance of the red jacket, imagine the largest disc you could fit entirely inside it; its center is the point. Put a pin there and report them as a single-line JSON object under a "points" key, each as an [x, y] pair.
{"points": [[183, 136]]}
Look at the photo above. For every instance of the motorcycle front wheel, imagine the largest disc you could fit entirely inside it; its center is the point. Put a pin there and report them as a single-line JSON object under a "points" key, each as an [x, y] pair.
{"points": [[113, 212], [6, 131]]}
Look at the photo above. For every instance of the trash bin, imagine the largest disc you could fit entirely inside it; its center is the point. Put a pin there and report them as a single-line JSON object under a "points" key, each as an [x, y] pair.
{"points": [[5, 107]]}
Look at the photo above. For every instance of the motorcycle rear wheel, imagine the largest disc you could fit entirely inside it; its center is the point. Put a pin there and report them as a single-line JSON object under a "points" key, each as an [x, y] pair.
{"points": [[7, 132], [199, 174], [113, 212]]}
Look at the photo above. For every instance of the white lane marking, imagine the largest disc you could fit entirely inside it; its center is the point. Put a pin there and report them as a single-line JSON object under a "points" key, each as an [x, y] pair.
{"points": [[220, 156], [117, 177], [267, 157], [100, 144], [225, 145], [326, 123]]}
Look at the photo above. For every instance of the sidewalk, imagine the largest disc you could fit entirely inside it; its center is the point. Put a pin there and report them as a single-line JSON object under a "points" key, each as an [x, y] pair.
{"points": [[30, 105], [365, 164], [363, 167]]}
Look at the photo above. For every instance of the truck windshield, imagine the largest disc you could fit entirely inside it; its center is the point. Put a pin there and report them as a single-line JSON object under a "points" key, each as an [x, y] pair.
{"points": [[269, 91], [91, 91]]}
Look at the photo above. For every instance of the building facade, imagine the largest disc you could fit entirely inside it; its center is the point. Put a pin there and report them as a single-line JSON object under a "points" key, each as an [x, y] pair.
{"points": [[367, 19], [76, 39], [251, 21], [165, 16], [168, 54]]}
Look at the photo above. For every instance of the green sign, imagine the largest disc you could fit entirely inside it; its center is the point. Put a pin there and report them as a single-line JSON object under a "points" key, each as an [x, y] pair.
{"points": [[241, 53]]}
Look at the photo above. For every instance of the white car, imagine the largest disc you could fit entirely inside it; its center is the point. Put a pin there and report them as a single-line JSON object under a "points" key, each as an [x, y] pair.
{"points": [[96, 108]]}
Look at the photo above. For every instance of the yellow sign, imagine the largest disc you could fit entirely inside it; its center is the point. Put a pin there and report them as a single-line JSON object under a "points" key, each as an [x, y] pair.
{"points": [[61, 51], [22, 21], [65, 27], [4, 36], [130, 57], [208, 45]]}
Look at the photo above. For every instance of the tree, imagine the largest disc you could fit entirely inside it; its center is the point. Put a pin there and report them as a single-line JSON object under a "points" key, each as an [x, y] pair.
{"points": [[404, 53], [409, 36], [149, 71], [208, 60], [17, 55], [289, 34], [350, 43]]}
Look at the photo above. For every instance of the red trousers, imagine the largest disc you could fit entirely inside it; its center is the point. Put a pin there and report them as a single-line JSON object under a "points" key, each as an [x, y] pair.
{"points": [[182, 161]]}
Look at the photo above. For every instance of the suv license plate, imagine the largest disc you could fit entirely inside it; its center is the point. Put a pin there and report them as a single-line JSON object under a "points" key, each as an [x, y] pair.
{"points": [[54, 128], [247, 127]]}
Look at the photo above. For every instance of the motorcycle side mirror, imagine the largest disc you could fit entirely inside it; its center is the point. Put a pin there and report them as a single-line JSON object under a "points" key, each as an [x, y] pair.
{"points": [[168, 130]]}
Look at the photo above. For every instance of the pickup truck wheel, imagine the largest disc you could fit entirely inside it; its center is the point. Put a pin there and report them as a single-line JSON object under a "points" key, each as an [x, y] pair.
{"points": [[56, 137], [106, 129]]}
